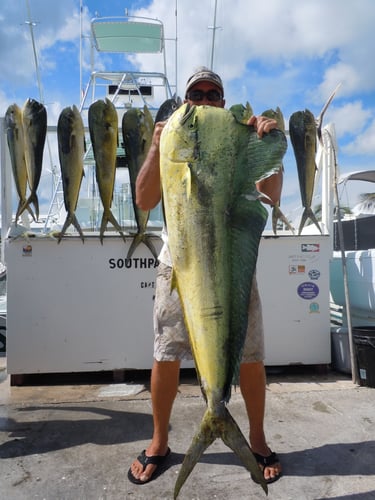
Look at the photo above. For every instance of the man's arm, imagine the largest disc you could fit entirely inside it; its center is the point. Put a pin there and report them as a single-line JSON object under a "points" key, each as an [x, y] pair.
{"points": [[147, 186], [271, 186]]}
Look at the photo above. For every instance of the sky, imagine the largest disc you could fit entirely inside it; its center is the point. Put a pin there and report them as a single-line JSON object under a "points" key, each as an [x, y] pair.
{"points": [[281, 53]]}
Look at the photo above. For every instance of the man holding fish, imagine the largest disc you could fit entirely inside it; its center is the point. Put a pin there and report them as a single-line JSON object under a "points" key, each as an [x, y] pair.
{"points": [[171, 339]]}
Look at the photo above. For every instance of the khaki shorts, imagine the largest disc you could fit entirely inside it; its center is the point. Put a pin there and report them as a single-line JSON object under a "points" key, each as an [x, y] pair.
{"points": [[171, 338]]}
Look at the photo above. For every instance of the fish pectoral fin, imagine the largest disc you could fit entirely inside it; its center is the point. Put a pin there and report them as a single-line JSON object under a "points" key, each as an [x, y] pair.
{"points": [[173, 281], [186, 179]]}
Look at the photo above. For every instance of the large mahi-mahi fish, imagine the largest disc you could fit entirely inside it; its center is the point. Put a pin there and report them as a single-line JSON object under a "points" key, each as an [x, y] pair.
{"points": [[209, 165]]}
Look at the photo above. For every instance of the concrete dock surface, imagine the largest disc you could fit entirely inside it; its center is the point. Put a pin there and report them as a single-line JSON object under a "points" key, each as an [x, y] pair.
{"points": [[75, 440]]}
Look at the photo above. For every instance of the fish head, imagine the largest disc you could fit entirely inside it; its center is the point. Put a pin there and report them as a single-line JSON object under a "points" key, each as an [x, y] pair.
{"points": [[137, 128], [179, 136], [103, 119], [13, 116], [167, 108], [33, 111], [131, 120], [70, 128]]}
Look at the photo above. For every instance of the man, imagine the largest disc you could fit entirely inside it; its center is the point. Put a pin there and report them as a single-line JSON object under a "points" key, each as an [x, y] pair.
{"points": [[171, 339]]}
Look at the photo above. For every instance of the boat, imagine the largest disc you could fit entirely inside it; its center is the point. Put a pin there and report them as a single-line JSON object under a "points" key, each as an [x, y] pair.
{"points": [[358, 246], [352, 285], [83, 305]]}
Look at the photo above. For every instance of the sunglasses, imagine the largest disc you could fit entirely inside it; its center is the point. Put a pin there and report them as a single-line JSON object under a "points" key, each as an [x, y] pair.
{"points": [[198, 95]]}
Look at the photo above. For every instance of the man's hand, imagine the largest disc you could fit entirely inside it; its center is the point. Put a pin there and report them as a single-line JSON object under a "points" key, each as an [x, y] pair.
{"points": [[262, 124], [157, 133]]}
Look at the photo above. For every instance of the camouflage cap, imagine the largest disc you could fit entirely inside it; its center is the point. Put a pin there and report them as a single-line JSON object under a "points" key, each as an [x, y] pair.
{"points": [[204, 74]]}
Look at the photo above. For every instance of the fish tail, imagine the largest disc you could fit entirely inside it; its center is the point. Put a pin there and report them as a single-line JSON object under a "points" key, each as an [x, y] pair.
{"points": [[34, 200], [137, 240], [277, 214], [78, 227], [26, 206], [212, 427], [22, 206], [71, 219], [109, 217], [308, 214]]}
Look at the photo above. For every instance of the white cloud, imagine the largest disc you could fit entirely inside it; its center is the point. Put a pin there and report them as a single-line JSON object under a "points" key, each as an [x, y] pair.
{"points": [[364, 143], [351, 118]]}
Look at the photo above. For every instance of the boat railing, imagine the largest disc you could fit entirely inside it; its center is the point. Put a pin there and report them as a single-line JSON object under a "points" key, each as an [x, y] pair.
{"points": [[126, 88]]}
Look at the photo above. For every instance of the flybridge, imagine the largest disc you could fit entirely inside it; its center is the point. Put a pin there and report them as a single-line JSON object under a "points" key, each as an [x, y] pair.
{"points": [[128, 35]]}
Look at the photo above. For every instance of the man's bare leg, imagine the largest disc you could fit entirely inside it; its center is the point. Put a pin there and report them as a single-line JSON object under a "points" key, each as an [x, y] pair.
{"points": [[253, 389], [164, 386]]}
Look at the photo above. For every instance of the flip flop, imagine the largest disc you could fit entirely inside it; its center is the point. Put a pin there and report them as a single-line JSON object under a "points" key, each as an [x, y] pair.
{"points": [[267, 462], [144, 460]]}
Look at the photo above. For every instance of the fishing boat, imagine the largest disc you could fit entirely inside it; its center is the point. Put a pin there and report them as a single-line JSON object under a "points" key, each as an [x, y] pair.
{"points": [[87, 307], [358, 247]]}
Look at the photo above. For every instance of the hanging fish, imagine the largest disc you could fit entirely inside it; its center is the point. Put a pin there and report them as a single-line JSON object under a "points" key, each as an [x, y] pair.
{"points": [[71, 144], [137, 130], [34, 119], [16, 145], [303, 135], [103, 127], [277, 214]]}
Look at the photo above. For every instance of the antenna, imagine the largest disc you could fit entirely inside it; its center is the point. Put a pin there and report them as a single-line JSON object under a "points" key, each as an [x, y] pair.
{"points": [[214, 28], [31, 26]]}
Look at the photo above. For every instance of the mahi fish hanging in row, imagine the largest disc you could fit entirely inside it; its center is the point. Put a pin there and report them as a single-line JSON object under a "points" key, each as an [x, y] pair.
{"points": [[26, 131], [137, 131]]}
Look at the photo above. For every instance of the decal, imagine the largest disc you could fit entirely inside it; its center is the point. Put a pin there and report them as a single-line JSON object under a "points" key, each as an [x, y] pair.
{"points": [[306, 258], [308, 290], [314, 307], [27, 250], [314, 274], [310, 247], [297, 269]]}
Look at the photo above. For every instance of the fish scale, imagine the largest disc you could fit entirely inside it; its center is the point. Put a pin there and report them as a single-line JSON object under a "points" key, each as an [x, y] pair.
{"points": [[209, 165]]}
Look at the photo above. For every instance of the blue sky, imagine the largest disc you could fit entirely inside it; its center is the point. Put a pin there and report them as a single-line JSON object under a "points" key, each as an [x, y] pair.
{"points": [[286, 53]]}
